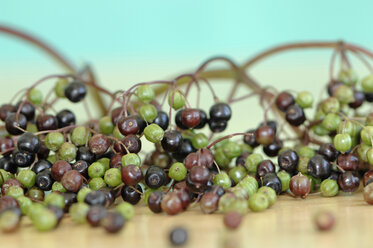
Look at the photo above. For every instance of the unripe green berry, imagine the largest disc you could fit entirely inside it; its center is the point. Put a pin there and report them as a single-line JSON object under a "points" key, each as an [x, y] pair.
{"points": [[304, 99], [148, 112], [330, 105], [367, 84], [153, 133], [348, 76], [222, 179], [200, 140], [106, 125], [67, 152], [145, 93], [79, 136], [60, 87], [179, 99], [54, 140], [35, 96], [177, 171], [342, 142]]}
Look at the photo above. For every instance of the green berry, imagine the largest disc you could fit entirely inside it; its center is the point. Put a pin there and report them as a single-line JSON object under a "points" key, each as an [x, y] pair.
{"points": [[106, 125], [232, 149], [54, 140], [113, 177], [82, 194], [303, 165], [31, 128], [250, 184], [55, 199], [24, 204], [52, 158], [4, 176], [35, 97], [230, 202], [221, 143], [148, 112], [27, 178], [344, 94], [222, 179], [44, 220], [67, 152], [285, 180], [258, 202], [367, 84], [126, 210], [97, 183], [347, 127], [252, 162], [329, 188], [306, 151], [342, 142], [237, 173], [58, 187], [270, 193], [366, 135], [96, 169], [369, 155], [179, 100], [221, 159], [319, 130], [330, 105], [153, 133], [79, 136], [362, 151], [14, 191], [331, 122], [177, 171], [78, 212], [9, 220], [117, 134], [348, 76], [145, 93], [105, 162], [200, 140], [60, 87], [131, 158], [304, 99]]}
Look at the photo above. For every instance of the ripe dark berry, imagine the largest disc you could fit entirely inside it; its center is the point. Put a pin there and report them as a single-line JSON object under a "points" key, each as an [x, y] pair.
{"points": [[172, 141], [5, 145], [27, 109], [85, 154], [319, 167], [300, 185], [284, 100], [162, 120], [348, 181], [272, 150], [348, 162], [155, 177], [295, 115], [95, 215], [178, 121], [265, 167], [7, 164], [220, 112], [59, 168], [265, 135], [44, 180], [217, 126], [65, 118], [128, 125], [75, 91], [41, 165], [99, 144], [271, 180], [185, 149], [328, 151], [22, 159], [46, 122], [28, 142], [288, 160], [81, 166], [203, 119], [154, 201], [96, 198], [131, 175], [190, 117], [5, 110], [129, 194], [72, 181], [12, 122], [250, 139]]}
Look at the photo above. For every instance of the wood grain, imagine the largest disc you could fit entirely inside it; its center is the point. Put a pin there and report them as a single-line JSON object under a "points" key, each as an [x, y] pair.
{"points": [[289, 223]]}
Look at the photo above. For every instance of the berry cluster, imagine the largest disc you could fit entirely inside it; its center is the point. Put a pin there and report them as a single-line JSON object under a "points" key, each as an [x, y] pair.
{"points": [[50, 164]]}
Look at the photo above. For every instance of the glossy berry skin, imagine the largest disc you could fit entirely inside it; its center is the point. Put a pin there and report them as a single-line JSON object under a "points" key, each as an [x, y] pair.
{"points": [[72, 181], [28, 142], [368, 177], [6, 144], [199, 175], [359, 99], [295, 115], [178, 121], [265, 135], [131, 142], [319, 167], [81, 166], [27, 109], [190, 117], [41, 165], [46, 122], [131, 175], [348, 162], [95, 215], [59, 168], [203, 119], [172, 141], [7, 164], [96, 198], [75, 91], [284, 100], [272, 150], [85, 154], [217, 126], [113, 222], [130, 195], [271, 180], [220, 112], [288, 160], [162, 120], [44, 180], [265, 167], [209, 202], [65, 118], [22, 159], [155, 177], [171, 203], [250, 139], [328, 151], [348, 181], [300, 185], [11, 123], [128, 125], [185, 148], [154, 201]]}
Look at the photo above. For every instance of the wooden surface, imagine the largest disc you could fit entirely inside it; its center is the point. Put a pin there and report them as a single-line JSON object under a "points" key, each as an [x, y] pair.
{"points": [[287, 224]]}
